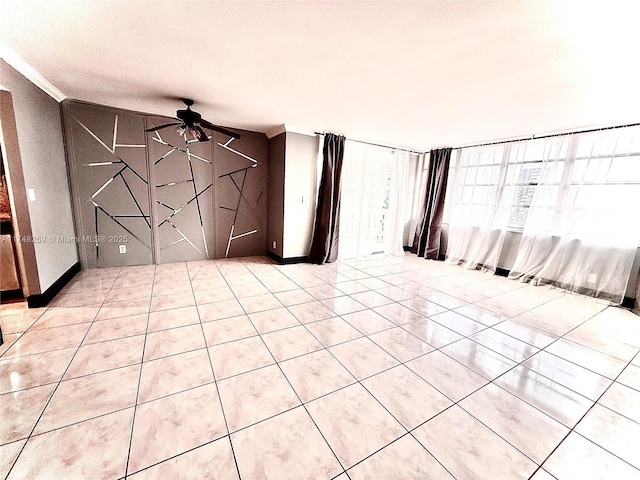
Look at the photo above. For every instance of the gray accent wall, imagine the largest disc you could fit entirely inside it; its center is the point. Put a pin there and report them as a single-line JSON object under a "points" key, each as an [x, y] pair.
{"points": [[277, 146], [246, 191], [108, 186], [172, 202], [40, 137], [172, 190]]}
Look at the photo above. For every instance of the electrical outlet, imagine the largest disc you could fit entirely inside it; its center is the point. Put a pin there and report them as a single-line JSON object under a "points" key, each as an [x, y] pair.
{"points": [[592, 278], [122, 248], [275, 244]]}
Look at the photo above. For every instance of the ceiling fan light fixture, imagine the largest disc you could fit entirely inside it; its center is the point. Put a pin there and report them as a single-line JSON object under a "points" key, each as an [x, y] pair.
{"points": [[192, 123]]}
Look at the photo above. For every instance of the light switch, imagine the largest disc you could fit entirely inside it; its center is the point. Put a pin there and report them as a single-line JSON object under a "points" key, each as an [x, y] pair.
{"points": [[31, 192]]}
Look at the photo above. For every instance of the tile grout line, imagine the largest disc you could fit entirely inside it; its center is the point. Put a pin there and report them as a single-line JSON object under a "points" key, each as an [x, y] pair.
{"points": [[357, 381], [20, 334], [504, 373], [291, 386], [394, 325], [55, 388], [174, 393], [340, 316], [520, 363], [572, 429], [490, 381], [46, 309], [410, 432], [206, 345], [517, 364], [190, 388], [135, 405], [204, 338]]}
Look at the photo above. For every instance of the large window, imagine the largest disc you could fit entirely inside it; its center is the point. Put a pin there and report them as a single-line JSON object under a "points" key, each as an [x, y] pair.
{"points": [[604, 175], [377, 200], [474, 185], [364, 203], [530, 163], [590, 171], [574, 198]]}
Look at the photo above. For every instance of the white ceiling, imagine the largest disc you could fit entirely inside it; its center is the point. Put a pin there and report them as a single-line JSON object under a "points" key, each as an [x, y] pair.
{"points": [[418, 74]]}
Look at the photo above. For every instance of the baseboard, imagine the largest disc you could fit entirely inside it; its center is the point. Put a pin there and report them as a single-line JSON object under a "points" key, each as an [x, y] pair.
{"points": [[503, 272], [11, 295], [286, 261], [43, 299], [292, 260], [628, 302], [274, 256], [441, 256]]}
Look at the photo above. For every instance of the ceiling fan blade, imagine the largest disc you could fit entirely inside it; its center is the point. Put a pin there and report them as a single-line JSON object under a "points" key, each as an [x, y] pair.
{"points": [[199, 134], [161, 127], [216, 128]]}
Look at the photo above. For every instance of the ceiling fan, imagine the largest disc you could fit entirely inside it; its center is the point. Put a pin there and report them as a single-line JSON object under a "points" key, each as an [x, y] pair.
{"points": [[191, 122]]}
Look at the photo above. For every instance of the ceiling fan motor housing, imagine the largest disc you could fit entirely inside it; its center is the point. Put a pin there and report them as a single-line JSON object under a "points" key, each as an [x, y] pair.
{"points": [[193, 122], [188, 116]]}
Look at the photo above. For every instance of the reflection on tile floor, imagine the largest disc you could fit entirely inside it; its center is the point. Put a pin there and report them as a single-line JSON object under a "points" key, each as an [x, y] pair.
{"points": [[380, 368]]}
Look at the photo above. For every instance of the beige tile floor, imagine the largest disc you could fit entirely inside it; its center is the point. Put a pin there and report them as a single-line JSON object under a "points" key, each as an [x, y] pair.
{"points": [[385, 368]]}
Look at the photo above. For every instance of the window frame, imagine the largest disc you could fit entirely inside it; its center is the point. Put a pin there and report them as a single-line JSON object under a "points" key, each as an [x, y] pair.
{"points": [[565, 182]]}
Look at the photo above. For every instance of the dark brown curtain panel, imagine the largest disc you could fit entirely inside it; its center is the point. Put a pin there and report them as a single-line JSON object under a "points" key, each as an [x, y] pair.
{"points": [[426, 242], [324, 246]]}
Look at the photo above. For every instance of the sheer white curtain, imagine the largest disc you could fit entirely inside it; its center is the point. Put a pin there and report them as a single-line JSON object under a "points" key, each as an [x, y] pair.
{"points": [[636, 307], [364, 203], [477, 217], [582, 228], [376, 200], [398, 218]]}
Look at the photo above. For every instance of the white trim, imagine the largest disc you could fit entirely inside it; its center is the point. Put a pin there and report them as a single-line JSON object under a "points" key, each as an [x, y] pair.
{"points": [[300, 130], [17, 62], [272, 132], [275, 131]]}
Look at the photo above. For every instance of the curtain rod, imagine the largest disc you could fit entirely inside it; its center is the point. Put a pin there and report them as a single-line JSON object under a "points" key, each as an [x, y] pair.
{"points": [[378, 145], [548, 135]]}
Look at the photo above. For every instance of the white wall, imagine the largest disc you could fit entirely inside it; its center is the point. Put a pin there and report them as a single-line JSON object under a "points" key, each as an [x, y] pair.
{"points": [[40, 137], [300, 190]]}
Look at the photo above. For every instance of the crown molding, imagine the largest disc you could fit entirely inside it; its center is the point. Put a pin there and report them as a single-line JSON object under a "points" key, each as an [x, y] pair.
{"points": [[275, 131], [300, 130], [21, 65]]}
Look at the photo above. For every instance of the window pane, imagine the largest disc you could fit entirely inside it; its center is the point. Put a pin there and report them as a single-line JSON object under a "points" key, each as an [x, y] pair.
{"points": [[600, 185], [625, 169]]}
